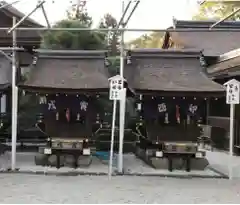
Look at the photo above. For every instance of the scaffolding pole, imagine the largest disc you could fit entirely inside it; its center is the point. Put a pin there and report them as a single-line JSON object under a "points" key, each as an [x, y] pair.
{"points": [[225, 18], [122, 107], [8, 4], [124, 29], [26, 16], [6, 55], [14, 98], [124, 11], [130, 15], [122, 102], [45, 16]]}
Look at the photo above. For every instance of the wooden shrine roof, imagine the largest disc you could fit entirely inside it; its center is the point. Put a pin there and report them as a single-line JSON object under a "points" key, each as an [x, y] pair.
{"points": [[72, 70], [12, 11], [24, 38], [228, 65], [5, 73], [168, 71], [212, 43]]}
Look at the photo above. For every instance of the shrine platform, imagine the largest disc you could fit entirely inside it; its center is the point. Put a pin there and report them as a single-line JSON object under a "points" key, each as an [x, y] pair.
{"points": [[133, 166]]}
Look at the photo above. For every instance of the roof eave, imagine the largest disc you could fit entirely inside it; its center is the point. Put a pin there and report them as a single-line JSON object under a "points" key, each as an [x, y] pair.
{"points": [[175, 93], [179, 53], [9, 10], [47, 53], [38, 89]]}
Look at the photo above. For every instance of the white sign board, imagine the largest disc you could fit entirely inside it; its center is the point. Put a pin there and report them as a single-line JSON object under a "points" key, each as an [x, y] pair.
{"points": [[232, 98], [233, 89], [116, 87]]}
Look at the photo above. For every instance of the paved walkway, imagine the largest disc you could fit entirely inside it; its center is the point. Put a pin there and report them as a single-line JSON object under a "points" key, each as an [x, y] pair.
{"points": [[21, 188], [219, 161]]}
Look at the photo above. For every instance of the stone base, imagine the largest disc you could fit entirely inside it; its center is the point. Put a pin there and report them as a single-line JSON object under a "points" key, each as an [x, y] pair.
{"points": [[41, 159], [52, 161], [65, 161], [3, 149], [178, 163]]}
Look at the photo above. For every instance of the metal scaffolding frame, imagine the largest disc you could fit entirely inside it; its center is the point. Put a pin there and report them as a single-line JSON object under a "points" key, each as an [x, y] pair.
{"points": [[123, 29], [9, 4], [122, 106], [14, 97], [182, 30], [14, 30], [225, 18]]}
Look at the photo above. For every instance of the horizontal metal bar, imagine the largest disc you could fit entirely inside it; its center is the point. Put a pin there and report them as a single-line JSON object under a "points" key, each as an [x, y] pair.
{"points": [[125, 29], [11, 49], [26, 16], [225, 18], [5, 5]]}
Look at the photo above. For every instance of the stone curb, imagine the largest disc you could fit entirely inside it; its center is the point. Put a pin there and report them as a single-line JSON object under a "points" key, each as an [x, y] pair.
{"points": [[79, 173]]}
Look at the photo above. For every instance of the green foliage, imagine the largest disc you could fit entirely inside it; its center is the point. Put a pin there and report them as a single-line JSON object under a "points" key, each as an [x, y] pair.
{"points": [[86, 40], [153, 40], [82, 16], [217, 10], [114, 66], [111, 38]]}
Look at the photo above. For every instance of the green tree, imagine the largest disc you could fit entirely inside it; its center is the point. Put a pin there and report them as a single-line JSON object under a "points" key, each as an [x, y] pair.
{"points": [[79, 12], [112, 37], [153, 40], [217, 10], [86, 40]]}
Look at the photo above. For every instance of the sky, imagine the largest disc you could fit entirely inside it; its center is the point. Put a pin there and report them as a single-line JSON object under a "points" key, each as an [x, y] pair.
{"points": [[150, 14]]}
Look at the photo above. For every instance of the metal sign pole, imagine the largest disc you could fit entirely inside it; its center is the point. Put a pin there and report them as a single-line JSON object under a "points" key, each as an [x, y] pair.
{"points": [[232, 98], [115, 93], [14, 100], [112, 139], [121, 131], [232, 108]]}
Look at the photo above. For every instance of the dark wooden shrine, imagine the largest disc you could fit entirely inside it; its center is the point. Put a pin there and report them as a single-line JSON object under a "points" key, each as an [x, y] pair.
{"points": [[5, 74], [212, 44], [23, 60], [5, 91], [68, 85], [220, 64], [227, 67], [70, 81], [174, 92], [27, 39]]}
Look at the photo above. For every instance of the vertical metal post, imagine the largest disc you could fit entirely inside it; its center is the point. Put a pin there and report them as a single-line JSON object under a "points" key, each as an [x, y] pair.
{"points": [[230, 168], [3, 103], [14, 96], [122, 103], [208, 111], [122, 45], [112, 139]]}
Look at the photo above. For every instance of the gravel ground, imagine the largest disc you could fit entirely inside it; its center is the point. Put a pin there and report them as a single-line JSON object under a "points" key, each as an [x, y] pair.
{"points": [[21, 188]]}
